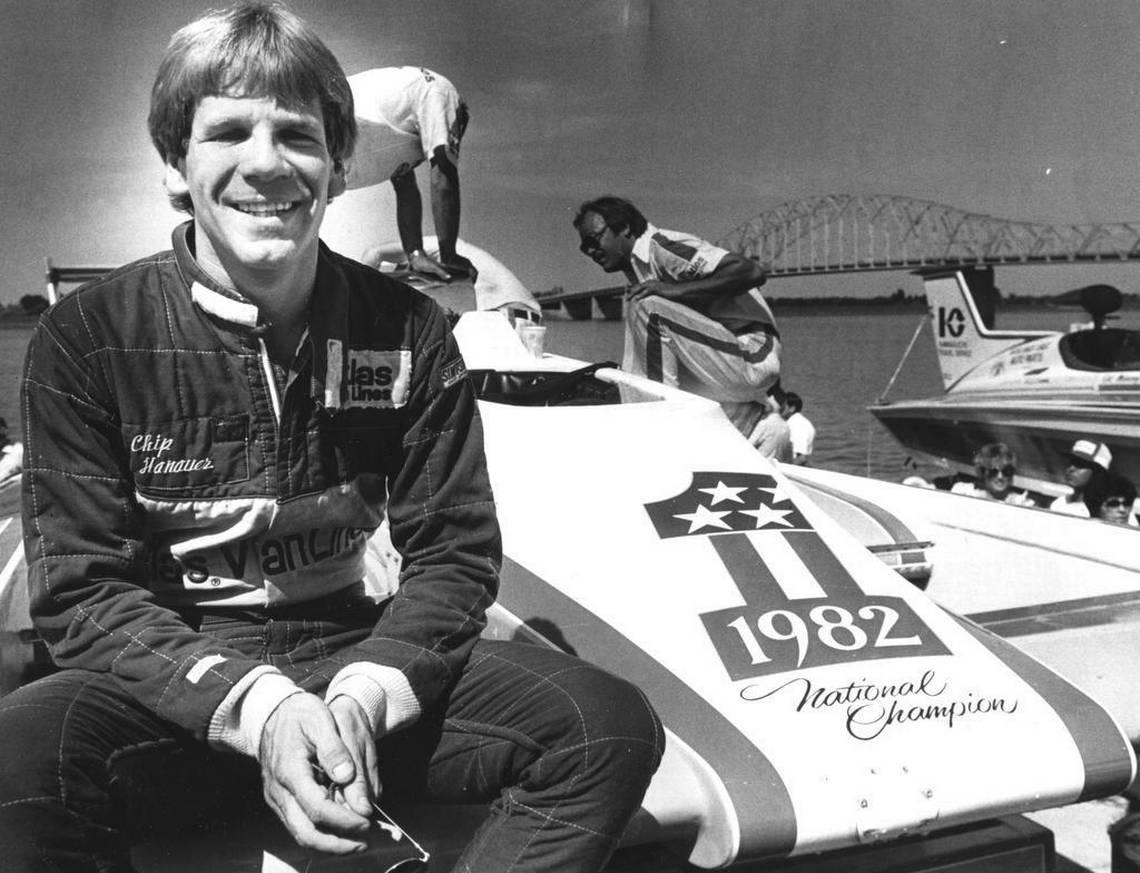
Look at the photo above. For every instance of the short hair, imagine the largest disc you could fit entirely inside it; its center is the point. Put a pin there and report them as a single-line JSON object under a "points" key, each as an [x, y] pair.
{"points": [[252, 49], [1103, 487], [792, 399], [993, 455], [617, 213]]}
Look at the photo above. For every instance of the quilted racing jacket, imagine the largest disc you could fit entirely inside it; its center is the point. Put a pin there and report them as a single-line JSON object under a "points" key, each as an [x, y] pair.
{"points": [[166, 471]]}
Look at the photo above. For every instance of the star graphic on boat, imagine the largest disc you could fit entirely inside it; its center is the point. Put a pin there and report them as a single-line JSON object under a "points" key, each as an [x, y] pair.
{"points": [[767, 516], [705, 517], [779, 495], [724, 492]]}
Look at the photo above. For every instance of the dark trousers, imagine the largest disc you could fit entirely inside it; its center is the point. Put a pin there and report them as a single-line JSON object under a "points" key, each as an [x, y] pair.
{"points": [[561, 749]]}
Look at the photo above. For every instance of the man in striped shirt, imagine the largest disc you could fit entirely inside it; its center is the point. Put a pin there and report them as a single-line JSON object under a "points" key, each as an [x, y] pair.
{"points": [[694, 316]]}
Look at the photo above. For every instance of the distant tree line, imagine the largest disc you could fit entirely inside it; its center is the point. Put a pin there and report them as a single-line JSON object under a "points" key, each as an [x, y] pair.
{"points": [[29, 306]]}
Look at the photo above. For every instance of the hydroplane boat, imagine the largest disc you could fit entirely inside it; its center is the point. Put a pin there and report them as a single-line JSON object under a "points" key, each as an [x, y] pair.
{"points": [[822, 711], [1036, 391]]}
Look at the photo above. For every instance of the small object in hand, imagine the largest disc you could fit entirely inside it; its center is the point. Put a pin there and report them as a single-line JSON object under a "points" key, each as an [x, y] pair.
{"points": [[385, 825]]}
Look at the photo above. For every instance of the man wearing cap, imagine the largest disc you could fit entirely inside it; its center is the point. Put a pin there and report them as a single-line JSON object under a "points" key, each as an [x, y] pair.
{"points": [[1088, 460]]}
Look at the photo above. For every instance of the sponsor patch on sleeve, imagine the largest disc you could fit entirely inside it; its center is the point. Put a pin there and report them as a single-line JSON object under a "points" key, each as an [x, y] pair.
{"points": [[452, 372], [697, 267]]}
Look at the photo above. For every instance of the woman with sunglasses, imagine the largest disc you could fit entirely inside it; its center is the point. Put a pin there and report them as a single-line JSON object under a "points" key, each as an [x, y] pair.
{"points": [[995, 465], [1111, 499]]}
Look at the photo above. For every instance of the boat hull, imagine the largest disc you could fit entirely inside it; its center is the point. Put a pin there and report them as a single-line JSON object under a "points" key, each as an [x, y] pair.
{"points": [[949, 430]]}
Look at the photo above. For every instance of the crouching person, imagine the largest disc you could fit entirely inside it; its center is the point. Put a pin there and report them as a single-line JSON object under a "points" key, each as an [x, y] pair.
{"points": [[203, 474]]}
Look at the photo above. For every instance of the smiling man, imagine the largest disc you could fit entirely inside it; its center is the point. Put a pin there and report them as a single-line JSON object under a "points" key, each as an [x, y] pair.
{"points": [[213, 434]]}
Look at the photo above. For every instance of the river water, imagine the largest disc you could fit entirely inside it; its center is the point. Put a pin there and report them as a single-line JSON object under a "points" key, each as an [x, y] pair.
{"points": [[838, 364], [839, 361]]}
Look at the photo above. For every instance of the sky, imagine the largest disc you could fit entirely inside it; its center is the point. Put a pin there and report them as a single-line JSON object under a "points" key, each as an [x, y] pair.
{"points": [[705, 114]]}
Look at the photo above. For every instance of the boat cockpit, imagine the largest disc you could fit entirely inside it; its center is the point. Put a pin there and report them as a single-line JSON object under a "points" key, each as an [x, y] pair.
{"points": [[1106, 348], [1100, 347], [580, 387]]}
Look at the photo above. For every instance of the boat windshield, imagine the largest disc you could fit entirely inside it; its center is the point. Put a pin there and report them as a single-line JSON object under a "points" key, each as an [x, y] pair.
{"points": [[1103, 349], [581, 387]]}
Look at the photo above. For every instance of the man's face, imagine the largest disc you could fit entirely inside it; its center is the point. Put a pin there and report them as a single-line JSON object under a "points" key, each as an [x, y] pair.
{"points": [[605, 247], [1077, 474], [258, 175]]}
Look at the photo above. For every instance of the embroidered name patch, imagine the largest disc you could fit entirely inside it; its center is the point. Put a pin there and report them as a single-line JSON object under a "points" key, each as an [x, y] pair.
{"points": [[184, 454], [378, 379]]}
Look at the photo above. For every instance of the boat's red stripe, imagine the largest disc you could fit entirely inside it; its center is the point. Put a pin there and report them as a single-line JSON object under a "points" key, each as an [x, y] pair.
{"points": [[1102, 748], [1060, 615], [763, 805], [891, 523]]}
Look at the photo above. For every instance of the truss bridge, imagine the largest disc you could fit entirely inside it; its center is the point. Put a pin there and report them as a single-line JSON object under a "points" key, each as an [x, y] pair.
{"points": [[838, 233]]}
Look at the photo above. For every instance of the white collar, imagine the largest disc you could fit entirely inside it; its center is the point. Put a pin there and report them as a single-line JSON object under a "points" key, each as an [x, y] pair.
{"points": [[640, 248], [224, 307]]}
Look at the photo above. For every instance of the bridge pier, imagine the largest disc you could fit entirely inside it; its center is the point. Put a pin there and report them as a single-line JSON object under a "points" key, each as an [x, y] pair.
{"points": [[610, 307], [580, 309]]}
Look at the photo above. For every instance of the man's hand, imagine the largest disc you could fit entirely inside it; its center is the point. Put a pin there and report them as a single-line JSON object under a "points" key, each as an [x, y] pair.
{"points": [[655, 287], [356, 733], [420, 261], [300, 735]]}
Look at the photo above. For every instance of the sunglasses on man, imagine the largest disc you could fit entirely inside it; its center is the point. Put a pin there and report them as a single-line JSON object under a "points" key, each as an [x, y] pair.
{"points": [[592, 242]]}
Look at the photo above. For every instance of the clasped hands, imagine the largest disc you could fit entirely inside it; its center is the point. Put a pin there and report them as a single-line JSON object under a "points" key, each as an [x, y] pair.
{"points": [[320, 773]]}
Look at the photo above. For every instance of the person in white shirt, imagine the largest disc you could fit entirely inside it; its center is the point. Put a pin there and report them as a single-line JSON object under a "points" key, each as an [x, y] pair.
{"points": [[1088, 462], [995, 465], [11, 455], [405, 116], [771, 436], [801, 429]]}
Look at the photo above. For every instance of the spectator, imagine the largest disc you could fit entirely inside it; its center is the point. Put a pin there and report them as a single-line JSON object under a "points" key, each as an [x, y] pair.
{"points": [[1088, 461], [801, 429], [11, 455], [995, 466], [771, 436], [1111, 498]]}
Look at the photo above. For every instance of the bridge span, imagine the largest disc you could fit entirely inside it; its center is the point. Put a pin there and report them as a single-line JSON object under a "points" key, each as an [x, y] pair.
{"points": [[844, 233]]}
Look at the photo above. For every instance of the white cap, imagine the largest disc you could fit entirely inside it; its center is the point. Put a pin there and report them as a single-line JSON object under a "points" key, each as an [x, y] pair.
{"points": [[1093, 452]]}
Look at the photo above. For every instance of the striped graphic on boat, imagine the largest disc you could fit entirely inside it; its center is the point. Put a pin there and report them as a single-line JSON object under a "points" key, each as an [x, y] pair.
{"points": [[758, 795], [1101, 745]]}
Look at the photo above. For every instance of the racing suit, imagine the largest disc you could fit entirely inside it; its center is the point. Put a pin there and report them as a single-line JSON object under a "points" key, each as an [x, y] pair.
{"points": [[204, 485], [196, 529]]}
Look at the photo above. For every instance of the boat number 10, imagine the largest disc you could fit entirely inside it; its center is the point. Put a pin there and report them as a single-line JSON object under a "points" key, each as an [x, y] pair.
{"points": [[833, 627]]}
